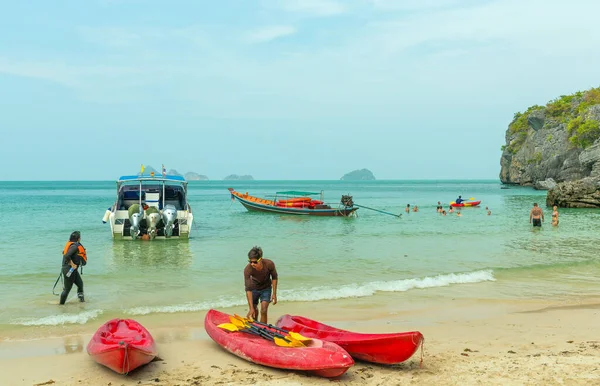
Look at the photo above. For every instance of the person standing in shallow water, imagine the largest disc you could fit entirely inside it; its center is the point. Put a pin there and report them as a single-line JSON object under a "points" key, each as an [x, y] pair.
{"points": [[74, 256], [260, 282], [555, 216], [536, 216]]}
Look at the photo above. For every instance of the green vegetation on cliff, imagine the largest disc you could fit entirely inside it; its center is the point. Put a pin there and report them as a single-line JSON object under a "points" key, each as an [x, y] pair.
{"points": [[571, 110], [519, 126]]}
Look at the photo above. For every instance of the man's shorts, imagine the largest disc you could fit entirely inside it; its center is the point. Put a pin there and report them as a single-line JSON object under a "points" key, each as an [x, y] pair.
{"points": [[536, 222], [262, 295]]}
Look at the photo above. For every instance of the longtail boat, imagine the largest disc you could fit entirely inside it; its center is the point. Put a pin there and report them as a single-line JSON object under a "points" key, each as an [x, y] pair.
{"points": [[295, 202]]}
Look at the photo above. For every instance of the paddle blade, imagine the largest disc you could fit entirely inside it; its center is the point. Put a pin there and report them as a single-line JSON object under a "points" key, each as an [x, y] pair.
{"points": [[287, 342], [472, 198], [236, 319], [228, 326], [238, 323], [296, 336], [242, 318], [294, 342]]}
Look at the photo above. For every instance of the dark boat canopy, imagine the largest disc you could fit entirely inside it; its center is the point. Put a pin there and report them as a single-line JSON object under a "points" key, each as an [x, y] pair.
{"points": [[168, 177]]}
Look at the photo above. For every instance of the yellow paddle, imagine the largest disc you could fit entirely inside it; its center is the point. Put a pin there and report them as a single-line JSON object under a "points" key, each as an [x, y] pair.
{"points": [[228, 326], [238, 325], [291, 334]]}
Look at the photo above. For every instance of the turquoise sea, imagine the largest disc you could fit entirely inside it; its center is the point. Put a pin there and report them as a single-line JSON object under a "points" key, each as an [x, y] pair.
{"points": [[419, 255]]}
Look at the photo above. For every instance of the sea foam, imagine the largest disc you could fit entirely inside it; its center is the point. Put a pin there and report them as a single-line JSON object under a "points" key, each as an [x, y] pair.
{"points": [[186, 307], [328, 293], [369, 289], [57, 320]]}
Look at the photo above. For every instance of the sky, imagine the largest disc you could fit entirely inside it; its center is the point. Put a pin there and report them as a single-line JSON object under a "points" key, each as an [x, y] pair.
{"points": [[281, 89]]}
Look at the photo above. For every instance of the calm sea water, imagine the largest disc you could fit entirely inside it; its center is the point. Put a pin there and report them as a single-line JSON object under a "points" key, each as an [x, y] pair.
{"points": [[418, 255]]}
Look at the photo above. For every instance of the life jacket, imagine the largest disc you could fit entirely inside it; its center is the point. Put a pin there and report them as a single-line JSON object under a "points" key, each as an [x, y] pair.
{"points": [[80, 251]]}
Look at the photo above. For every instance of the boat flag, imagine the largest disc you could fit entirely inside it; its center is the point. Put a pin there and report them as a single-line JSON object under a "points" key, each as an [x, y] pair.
{"points": [[142, 172], [164, 171]]}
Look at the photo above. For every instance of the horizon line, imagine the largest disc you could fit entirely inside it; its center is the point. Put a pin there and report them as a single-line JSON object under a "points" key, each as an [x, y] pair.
{"points": [[300, 180]]}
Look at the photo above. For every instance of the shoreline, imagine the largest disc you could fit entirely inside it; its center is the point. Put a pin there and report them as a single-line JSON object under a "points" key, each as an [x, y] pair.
{"points": [[467, 341]]}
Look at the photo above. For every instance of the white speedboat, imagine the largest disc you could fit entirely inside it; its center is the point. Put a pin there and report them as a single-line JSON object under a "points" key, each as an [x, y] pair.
{"points": [[150, 207]]}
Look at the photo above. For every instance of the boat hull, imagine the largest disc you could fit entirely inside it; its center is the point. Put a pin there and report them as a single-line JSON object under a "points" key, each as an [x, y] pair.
{"points": [[122, 345], [389, 348], [120, 226], [260, 205], [164, 211], [465, 204], [321, 358]]}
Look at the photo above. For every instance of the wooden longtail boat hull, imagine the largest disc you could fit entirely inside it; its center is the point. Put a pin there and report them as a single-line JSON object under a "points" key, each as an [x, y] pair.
{"points": [[387, 348], [321, 358], [261, 205]]}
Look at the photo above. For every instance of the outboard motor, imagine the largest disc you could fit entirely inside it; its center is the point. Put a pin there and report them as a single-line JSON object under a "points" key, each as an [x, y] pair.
{"points": [[169, 215], [152, 219], [136, 215], [347, 201]]}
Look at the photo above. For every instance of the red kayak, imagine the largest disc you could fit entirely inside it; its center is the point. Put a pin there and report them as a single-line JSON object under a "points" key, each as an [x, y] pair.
{"points": [[378, 348], [465, 204], [320, 358], [122, 345]]}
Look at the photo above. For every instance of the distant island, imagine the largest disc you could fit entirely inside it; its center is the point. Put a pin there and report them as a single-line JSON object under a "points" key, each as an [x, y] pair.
{"points": [[190, 176], [235, 177], [193, 176], [359, 175]]}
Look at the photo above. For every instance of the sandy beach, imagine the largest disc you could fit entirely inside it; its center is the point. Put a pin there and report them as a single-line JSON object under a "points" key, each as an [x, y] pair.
{"points": [[466, 342]]}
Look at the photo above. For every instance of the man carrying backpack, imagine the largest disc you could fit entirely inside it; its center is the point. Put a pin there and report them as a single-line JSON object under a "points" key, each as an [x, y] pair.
{"points": [[74, 256]]}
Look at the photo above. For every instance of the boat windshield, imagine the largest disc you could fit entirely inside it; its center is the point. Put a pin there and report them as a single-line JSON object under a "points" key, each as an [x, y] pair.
{"points": [[153, 193]]}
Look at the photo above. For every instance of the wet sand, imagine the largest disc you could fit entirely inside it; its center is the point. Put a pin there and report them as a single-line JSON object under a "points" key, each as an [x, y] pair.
{"points": [[466, 342]]}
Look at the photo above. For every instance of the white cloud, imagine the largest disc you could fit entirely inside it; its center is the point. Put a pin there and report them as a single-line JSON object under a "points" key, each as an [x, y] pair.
{"points": [[371, 69], [410, 5], [312, 7], [269, 33]]}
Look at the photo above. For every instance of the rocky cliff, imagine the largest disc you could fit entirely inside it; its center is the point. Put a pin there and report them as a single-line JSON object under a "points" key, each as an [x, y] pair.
{"points": [[549, 146], [584, 193], [557, 141]]}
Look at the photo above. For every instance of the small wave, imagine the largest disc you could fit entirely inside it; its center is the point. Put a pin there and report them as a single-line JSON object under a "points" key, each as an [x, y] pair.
{"points": [[186, 307], [57, 320], [328, 293], [369, 289]]}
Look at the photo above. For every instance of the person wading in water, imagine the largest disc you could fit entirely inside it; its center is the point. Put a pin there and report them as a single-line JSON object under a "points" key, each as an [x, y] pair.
{"points": [[74, 256], [536, 216], [260, 281]]}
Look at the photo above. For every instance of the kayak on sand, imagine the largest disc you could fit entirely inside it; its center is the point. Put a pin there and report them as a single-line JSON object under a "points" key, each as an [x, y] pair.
{"points": [[122, 345], [388, 348], [321, 358]]}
